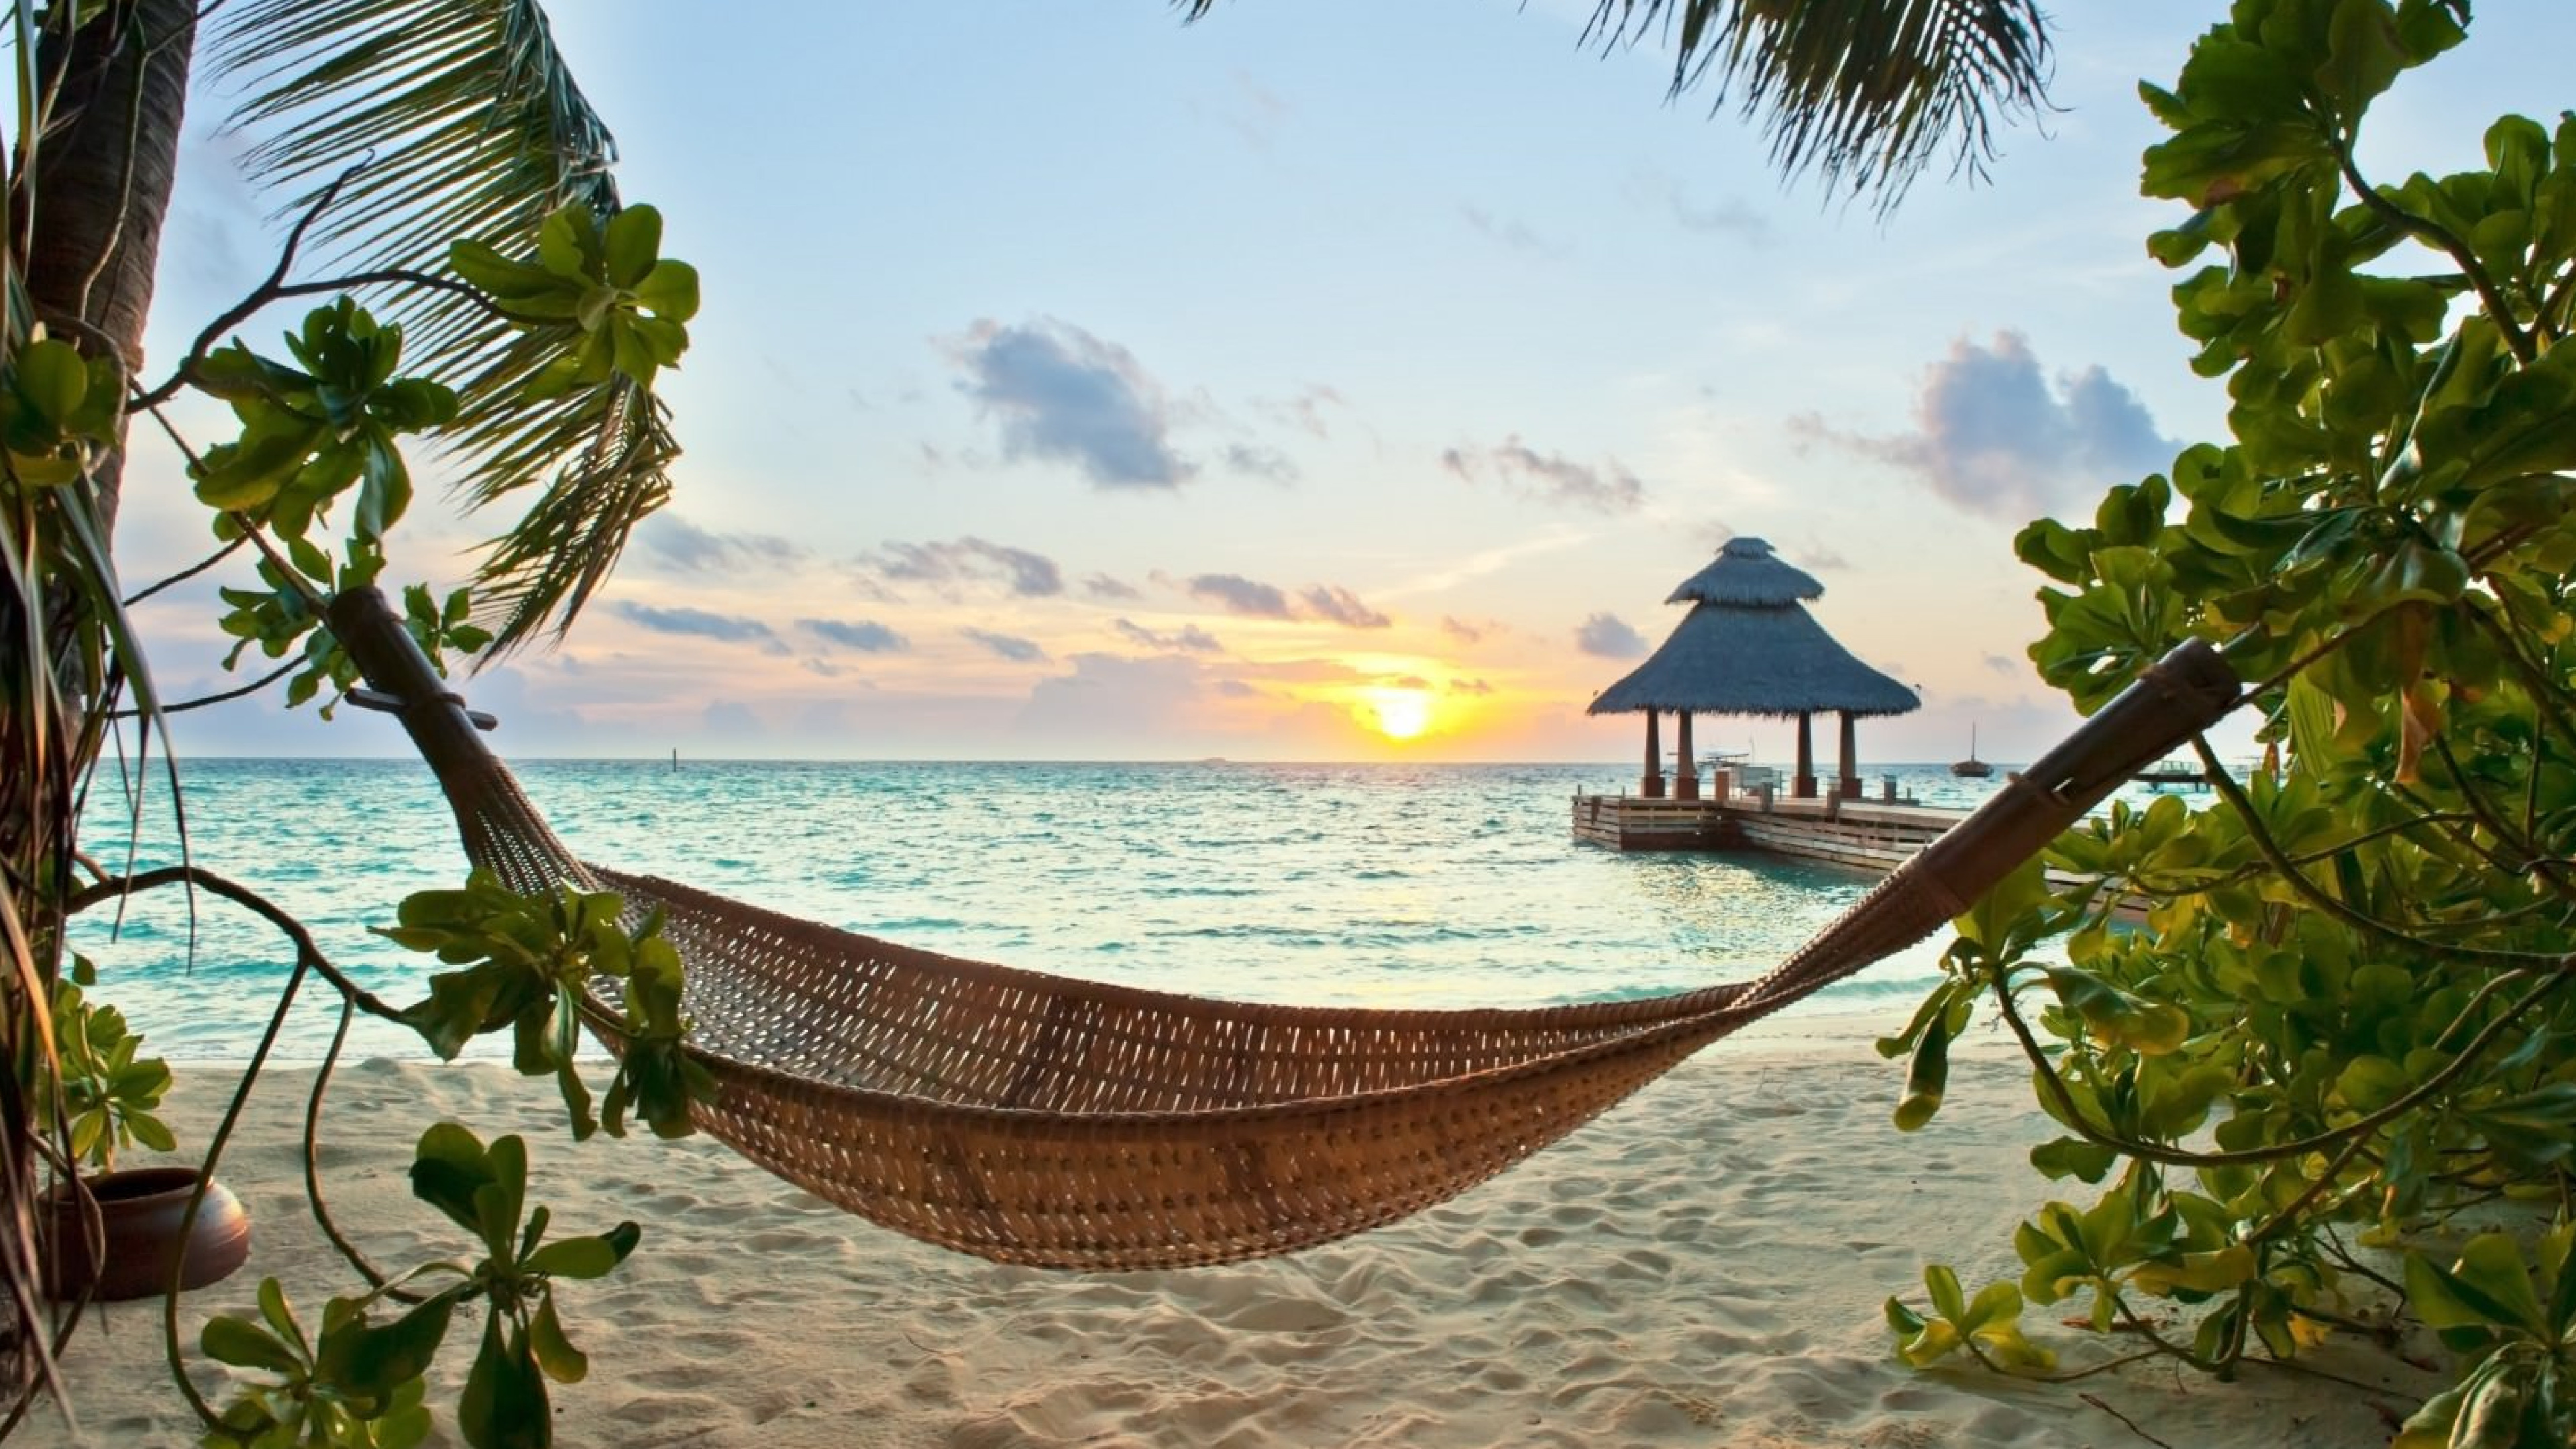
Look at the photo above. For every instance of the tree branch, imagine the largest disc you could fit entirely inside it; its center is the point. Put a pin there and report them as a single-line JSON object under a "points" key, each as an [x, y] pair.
{"points": [[2425, 229], [185, 574], [254, 687], [2073, 1117], [116, 887], [276, 288], [2560, 963]]}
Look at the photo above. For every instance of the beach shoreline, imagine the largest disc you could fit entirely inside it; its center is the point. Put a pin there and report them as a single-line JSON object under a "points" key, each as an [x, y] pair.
{"points": [[1702, 1266]]}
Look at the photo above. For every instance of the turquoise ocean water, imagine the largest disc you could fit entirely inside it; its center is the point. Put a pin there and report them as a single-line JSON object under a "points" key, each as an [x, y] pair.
{"points": [[1385, 885]]}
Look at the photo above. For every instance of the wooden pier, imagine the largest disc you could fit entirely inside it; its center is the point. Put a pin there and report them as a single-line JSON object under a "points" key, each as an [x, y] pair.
{"points": [[1875, 836]]}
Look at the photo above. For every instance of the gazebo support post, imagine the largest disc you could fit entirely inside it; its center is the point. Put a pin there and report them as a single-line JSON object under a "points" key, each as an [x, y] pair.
{"points": [[1851, 764], [1653, 785], [1803, 786], [1685, 764]]}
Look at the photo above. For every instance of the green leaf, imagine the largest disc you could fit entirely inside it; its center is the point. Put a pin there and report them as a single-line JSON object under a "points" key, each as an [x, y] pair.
{"points": [[281, 1317], [2486, 1289], [670, 291], [448, 1168], [587, 1257], [2073, 1157], [372, 1360], [2369, 1083], [53, 379], [568, 242], [553, 1351], [1929, 1344], [1927, 1079], [151, 1132], [501, 1201], [2209, 1272], [247, 1345], [634, 244], [504, 1403], [2491, 1415], [1998, 920], [2364, 54]]}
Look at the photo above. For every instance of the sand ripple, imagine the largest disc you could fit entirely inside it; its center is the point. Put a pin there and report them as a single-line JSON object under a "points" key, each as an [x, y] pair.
{"points": [[1704, 1267]]}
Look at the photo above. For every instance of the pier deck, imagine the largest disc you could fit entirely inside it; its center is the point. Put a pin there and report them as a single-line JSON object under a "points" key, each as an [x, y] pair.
{"points": [[1864, 834]]}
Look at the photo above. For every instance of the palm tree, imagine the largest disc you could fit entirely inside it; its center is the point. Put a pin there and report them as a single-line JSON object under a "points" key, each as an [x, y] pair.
{"points": [[400, 126], [419, 122]]}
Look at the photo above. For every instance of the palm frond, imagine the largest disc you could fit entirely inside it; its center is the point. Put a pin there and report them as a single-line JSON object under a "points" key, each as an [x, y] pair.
{"points": [[470, 126], [1865, 93]]}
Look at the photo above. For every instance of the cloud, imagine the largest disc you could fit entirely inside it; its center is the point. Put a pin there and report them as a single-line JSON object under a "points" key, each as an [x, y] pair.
{"points": [[1332, 601], [1462, 631], [2002, 665], [1409, 681], [1731, 217], [1259, 462], [1819, 554], [1108, 703], [1061, 394], [1470, 686], [1511, 232], [692, 623], [1026, 575], [1236, 689], [683, 544], [1253, 112], [1305, 411], [1253, 599], [1550, 477], [1996, 436], [1238, 595], [1102, 586], [1604, 637], [1008, 646], [727, 719], [1189, 638], [866, 635]]}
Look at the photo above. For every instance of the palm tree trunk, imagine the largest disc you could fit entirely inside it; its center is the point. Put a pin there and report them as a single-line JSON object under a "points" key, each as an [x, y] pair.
{"points": [[85, 231], [90, 234]]}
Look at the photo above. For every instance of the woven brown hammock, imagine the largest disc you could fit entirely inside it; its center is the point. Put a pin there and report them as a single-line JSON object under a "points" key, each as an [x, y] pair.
{"points": [[1036, 1119]]}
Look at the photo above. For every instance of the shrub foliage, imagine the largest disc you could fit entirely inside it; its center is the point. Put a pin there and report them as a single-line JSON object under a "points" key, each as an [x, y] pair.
{"points": [[2347, 1018]]}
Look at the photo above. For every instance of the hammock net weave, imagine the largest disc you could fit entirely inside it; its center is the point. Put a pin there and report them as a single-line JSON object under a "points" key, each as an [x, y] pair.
{"points": [[1042, 1120]]}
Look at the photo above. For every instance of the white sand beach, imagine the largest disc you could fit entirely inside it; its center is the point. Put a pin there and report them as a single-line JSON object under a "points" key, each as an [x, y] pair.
{"points": [[1703, 1267]]}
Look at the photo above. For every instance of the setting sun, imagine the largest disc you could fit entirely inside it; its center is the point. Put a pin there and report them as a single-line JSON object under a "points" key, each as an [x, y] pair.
{"points": [[1401, 714]]}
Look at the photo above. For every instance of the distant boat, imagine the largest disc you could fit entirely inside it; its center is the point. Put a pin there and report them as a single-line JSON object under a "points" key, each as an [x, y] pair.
{"points": [[1739, 764], [2182, 774], [1972, 768]]}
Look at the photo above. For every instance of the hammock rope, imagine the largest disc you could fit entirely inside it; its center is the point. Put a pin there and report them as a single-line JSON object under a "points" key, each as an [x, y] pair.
{"points": [[1053, 1122]]}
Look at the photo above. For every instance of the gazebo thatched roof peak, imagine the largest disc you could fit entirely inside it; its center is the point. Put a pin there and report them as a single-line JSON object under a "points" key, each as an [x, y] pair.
{"points": [[1725, 659], [1747, 575]]}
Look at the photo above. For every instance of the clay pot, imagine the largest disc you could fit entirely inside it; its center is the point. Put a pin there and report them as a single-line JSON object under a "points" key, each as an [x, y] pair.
{"points": [[141, 1209]]}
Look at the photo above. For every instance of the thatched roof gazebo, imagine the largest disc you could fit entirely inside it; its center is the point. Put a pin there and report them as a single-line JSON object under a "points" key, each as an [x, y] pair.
{"points": [[1748, 647]]}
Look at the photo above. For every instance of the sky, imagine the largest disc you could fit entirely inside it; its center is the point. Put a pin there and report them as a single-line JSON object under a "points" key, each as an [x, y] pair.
{"points": [[1314, 382]]}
